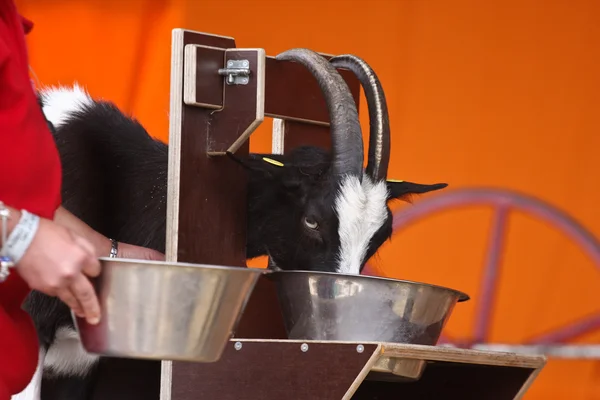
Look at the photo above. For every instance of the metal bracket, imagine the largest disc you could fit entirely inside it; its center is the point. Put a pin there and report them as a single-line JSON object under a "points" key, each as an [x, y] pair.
{"points": [[237, 72]]}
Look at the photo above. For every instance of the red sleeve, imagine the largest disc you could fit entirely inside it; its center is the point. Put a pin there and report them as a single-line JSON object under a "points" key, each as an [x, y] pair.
{"points": [[30, 178], [34, 181]]}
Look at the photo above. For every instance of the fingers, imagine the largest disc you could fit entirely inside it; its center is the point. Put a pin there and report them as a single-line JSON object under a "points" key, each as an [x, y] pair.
{"points": [[81, 289], [79, 295], [139, 253], [84, 292], [155, 255], [91, 266], [67, 297]]}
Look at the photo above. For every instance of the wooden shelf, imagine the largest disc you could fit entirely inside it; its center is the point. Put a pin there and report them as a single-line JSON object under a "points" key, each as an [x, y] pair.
{"points": [[279, 369]]}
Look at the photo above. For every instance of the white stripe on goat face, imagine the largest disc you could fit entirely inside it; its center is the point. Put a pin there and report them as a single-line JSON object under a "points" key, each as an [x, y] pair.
{"points": [[361, 210]]}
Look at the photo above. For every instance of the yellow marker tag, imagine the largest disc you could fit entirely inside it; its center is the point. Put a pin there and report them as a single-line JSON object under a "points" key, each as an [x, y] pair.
{"points": [[394, 180], [271, 161]]}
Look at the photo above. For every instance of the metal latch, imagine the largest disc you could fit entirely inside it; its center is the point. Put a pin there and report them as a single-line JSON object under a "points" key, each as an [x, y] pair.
{"points": [[237, 72]]}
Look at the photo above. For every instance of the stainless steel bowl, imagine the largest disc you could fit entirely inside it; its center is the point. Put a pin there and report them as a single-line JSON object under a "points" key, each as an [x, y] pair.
{"points": [[167, 311], [331, 306]]}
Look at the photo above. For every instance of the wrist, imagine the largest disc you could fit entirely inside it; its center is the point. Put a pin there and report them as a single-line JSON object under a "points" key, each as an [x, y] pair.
{"points": [[17, 231], [21, 237]]}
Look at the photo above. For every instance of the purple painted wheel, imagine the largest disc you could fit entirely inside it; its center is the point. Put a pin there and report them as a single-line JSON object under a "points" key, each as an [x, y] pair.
{"points": [[503, 201]]}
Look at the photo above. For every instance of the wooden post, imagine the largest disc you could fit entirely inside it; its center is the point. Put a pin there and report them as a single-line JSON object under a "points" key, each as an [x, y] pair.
{"points": [[206, 204]]}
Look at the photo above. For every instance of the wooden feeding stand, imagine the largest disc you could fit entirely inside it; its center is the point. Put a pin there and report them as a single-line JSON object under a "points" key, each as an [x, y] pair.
{"points": [[219, 95]]}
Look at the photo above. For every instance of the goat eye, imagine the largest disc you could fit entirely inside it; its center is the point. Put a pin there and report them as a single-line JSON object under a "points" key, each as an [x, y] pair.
{"points": [[310, 223]]}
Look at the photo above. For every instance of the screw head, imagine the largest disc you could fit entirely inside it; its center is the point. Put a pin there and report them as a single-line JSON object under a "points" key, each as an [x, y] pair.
{"points": [[245, 63], [360, 348], [230, 63], [304, 347], [244, 80], [238, 345]]}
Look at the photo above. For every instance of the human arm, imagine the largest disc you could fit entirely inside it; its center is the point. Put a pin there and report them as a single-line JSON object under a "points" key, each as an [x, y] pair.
{"points": [[55, 261], [101, 243]]}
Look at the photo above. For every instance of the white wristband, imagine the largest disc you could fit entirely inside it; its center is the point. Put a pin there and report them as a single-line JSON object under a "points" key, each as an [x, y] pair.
{"points": [[21, 236]]}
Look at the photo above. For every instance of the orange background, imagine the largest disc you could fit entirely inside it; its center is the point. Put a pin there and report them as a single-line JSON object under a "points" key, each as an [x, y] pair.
{"points": [[500, 93]]}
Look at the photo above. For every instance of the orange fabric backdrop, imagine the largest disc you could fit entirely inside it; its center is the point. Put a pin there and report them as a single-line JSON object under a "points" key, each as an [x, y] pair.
{"points": [[499, 93]]}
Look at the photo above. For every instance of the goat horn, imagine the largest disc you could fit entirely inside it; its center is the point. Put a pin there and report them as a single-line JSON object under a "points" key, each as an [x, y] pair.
{"points": [[379, 122], [346, 133]]}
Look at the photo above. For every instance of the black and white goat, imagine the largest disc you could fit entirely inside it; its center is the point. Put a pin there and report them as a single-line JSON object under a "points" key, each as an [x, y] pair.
{"points": [[319, 211]]}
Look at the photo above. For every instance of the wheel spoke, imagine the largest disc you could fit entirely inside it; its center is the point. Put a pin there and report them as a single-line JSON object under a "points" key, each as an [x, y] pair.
{"points": [[569, 332], [490, 274]]}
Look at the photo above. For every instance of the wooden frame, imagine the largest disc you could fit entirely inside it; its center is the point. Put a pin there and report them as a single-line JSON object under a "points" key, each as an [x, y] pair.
{"points": [[209, 118]]}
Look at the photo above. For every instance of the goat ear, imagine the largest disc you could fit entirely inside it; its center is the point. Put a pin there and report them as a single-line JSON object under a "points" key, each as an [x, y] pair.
{"points": [[403, 190]]}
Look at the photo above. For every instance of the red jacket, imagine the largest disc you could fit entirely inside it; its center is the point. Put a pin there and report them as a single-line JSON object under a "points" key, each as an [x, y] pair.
{"points": [[30, 178]]}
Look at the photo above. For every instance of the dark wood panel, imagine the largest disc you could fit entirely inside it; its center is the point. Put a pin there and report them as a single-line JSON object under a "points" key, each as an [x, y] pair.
{"points": [[123, 379], [212, 203], [300, 134], [262, 317], [450, 381], [205, 39], [241, 104], [274, 371], [209, 84], [291, 91]]}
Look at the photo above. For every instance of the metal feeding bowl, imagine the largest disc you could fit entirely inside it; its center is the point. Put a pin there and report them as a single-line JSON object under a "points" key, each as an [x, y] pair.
{"points": [[166, 311], [331, 306]]}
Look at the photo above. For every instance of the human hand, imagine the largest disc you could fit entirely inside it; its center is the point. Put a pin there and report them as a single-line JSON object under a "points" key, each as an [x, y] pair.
{"points": [[139, 253], [57, 262]]}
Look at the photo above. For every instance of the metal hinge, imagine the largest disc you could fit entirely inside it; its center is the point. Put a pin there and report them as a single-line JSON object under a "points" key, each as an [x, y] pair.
{"points": [[237, 72]]}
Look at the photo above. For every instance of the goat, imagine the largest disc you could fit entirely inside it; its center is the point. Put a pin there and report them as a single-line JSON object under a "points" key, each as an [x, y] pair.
{"points": [[310, 210]]}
